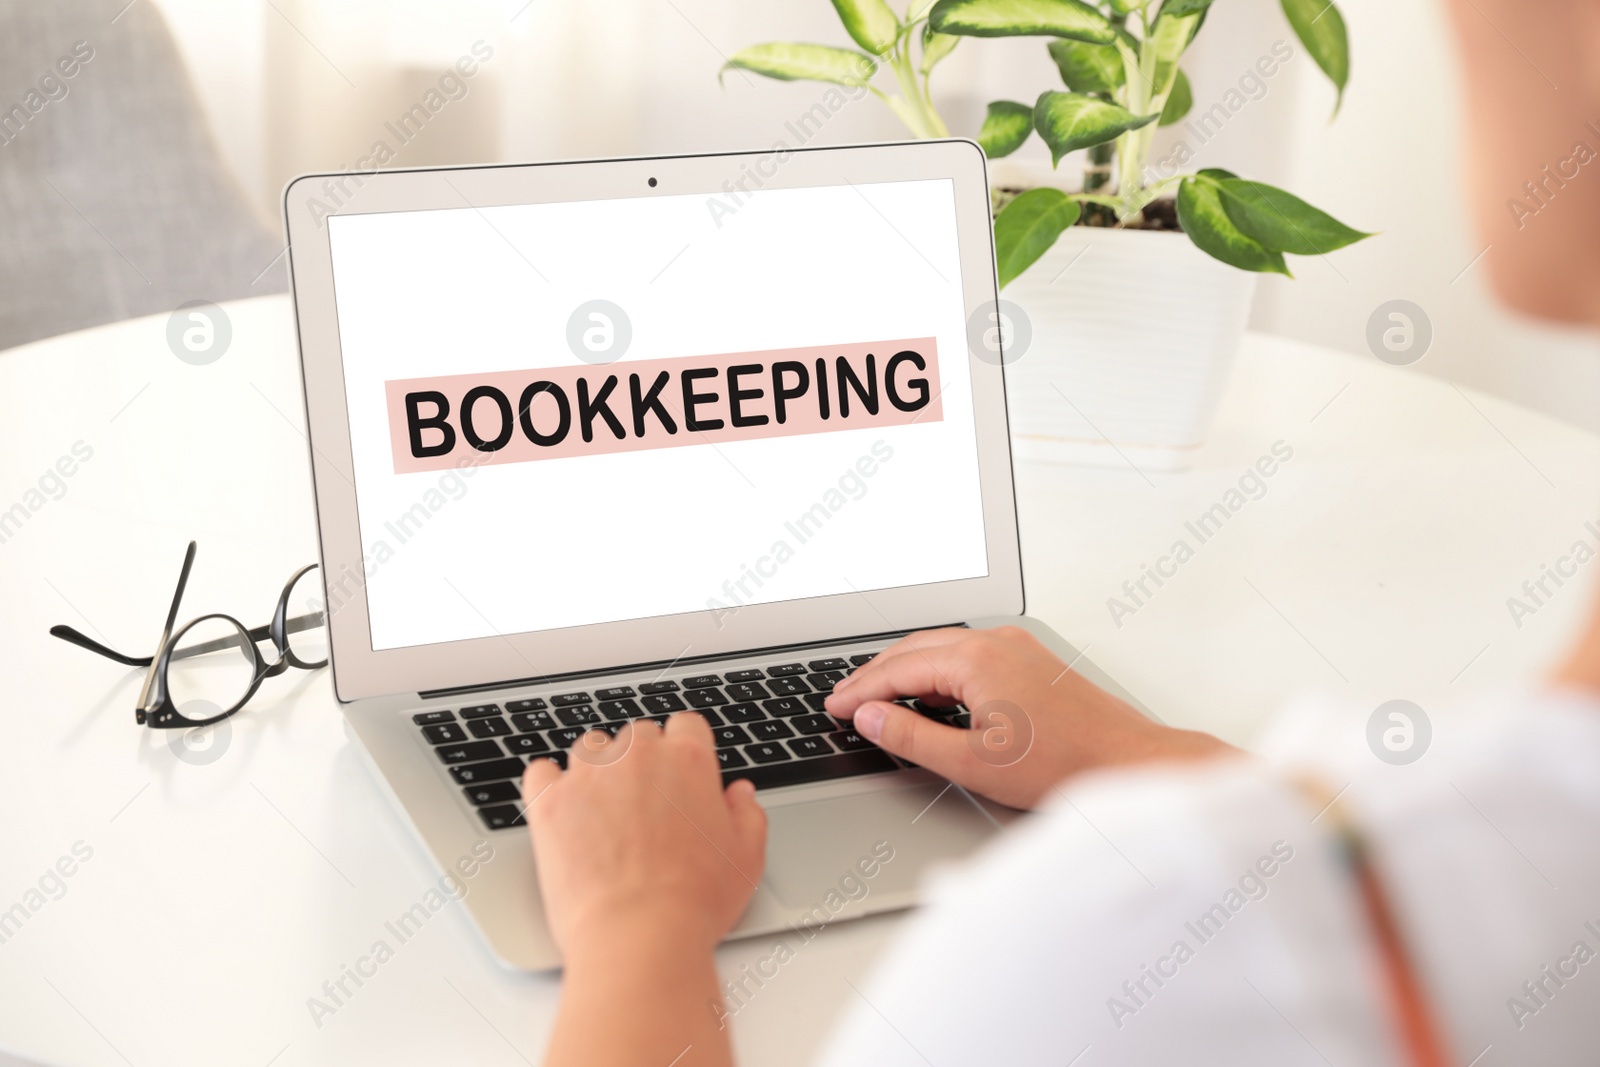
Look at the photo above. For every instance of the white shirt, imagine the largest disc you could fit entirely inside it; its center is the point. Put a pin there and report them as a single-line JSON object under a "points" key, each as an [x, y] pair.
{"points": [[1202, 916]]}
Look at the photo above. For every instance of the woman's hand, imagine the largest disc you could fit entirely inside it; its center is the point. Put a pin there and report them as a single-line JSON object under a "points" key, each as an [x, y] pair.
{"points": [[639, 832], [1034, 721]]}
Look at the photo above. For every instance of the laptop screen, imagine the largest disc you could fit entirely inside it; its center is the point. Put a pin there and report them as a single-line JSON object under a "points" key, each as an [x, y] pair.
{"points": [[576, 413]]}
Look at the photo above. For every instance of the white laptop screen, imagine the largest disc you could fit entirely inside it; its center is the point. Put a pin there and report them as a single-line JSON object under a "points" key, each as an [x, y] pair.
{"points": [[564, 414]]}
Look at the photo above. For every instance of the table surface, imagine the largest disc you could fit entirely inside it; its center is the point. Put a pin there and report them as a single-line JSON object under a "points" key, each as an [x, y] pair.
{"points": [[222, 889]]}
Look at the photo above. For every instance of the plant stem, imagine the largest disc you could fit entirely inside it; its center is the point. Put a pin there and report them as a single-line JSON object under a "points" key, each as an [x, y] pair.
{"points": [[915, 109]]}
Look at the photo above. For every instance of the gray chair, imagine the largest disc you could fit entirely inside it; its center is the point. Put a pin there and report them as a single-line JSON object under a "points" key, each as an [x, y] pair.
{"points": [[114, 202]]}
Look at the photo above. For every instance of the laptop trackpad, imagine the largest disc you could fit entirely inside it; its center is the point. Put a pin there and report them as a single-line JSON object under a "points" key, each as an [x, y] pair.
{"points": [[837, 853]]}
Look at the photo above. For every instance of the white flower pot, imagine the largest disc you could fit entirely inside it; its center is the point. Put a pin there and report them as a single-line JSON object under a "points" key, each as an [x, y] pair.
{"points": [[1134, 333]]}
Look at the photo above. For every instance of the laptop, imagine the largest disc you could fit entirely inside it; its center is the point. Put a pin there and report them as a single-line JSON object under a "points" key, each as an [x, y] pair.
{"points": [[598, 442]]}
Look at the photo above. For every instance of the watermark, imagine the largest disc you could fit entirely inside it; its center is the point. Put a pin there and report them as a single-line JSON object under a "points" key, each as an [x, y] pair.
{"points": [[999, 333], [200, 746], [1399, 332], [452, 86], [1542, 587], [1543, 190], [850, 485], [47, 888], [1251, 887], [1203, 126], [599, 331], [338, 991], [51, 485], [1399, 732], [1001, 733], [199, 332], [852, 887], [51, 87], [1252, 486], [1539, 991], [802, 128], [449, 486]]}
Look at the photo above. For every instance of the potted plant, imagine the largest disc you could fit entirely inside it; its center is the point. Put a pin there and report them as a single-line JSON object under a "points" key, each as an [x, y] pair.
{"points": [[1130, 355]]}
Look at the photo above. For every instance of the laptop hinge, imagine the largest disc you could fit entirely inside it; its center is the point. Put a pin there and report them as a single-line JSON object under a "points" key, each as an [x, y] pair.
{"points": [[666, 665]]}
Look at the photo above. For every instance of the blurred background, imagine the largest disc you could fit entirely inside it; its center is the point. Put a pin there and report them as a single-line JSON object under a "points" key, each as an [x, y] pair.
{"points": [[293, 85]]}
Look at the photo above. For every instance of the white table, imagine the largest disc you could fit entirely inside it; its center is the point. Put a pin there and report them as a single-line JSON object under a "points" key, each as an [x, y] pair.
{"points": [[221, 895]]}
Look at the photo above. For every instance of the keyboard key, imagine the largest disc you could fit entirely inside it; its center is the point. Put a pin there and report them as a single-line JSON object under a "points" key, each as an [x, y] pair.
{"points": [[747, 691], [478, 711], [567, 700], [850, 741], [472, 750], [824, 682], [816, 701], [701, 681], [770, 730], [810, 746], [743, 713], [730, 758], [444, 733], [652, 688], [705, 698], [616, 692], [785, 670], [863, 658], [821, 769], [567, 736], [963, 720], [493, 793], [495, 727], [584, 716], [617, 710], [660, 720], [428, 718], [833, 663], [526, 745], [710, 716], [468, 773], [787, 687], [764, 753], [814, 724], [559, 758], [527, 704], [502, 818], [662, 703], [784, 706], [730, 735], [530, 721], [743, 676]]}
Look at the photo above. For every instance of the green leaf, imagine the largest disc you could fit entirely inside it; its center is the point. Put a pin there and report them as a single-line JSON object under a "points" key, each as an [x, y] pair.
{"points": [[935, 46], [870, 24], [804, 62], [1179, 101], [1027, 227], [1178, 8], [1124, 7], [1070, 121], [1022, 18], [1282, 221], [1320, 27], [917, 10], [1005, 127], [1088, 68], [1202, 217], [1169, 38]]}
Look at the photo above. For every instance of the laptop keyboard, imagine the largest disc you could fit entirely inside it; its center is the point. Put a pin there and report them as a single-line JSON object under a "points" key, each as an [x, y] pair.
{"points": [[768, 723]]}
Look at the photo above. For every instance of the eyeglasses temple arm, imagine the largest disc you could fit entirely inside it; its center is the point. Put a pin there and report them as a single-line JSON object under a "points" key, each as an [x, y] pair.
{"points": [[73, 637], [146, 694]]}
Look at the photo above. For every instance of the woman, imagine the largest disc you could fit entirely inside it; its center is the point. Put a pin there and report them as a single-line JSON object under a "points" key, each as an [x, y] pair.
{"points": [[1176, 900]]}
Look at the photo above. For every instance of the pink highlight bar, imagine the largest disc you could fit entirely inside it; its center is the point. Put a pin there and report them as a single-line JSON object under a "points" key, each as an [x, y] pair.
{"points": [[519, 416]]}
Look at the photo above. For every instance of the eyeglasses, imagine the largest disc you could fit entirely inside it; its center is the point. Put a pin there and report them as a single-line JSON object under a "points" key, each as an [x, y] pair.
{"points": [[211, 666]]}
